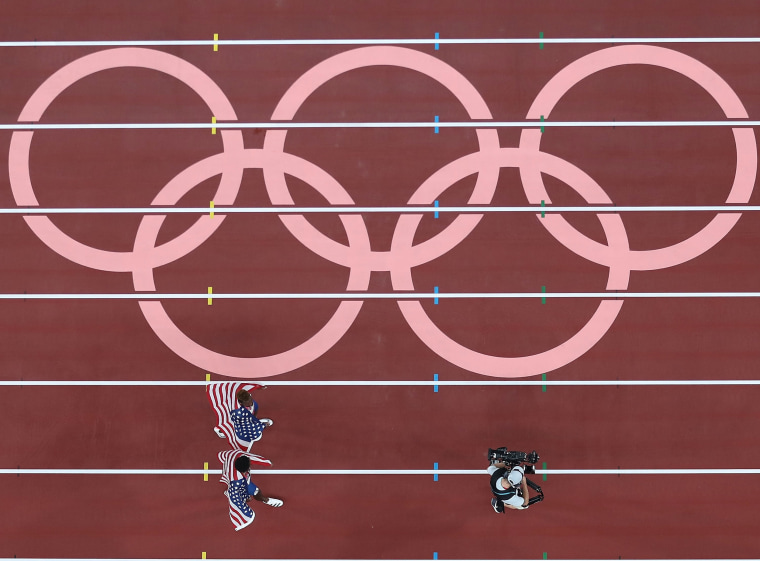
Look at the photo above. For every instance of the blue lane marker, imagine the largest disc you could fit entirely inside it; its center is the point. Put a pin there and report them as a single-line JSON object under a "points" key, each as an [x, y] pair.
{"points": [[435, 215], [437, 36], [435, 555], [435, 300], [435, 379], [436, 120], [435, 467]]}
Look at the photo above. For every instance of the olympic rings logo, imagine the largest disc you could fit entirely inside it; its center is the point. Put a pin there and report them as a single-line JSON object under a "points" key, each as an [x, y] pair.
{"points": [[357, 254]]}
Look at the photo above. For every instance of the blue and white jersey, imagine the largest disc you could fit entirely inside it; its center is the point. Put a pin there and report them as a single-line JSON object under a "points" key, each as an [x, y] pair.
{"points": [[247, 426]]}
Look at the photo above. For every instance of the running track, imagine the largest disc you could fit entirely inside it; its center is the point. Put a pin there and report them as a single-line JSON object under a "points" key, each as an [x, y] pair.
{"points": [[381, 427]]}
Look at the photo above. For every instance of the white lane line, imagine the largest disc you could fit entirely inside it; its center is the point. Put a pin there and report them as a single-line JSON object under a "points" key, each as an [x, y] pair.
{"points": [[388, 383], [270, 125], [617, 471], [426, 41], [315, 559], [535, 209], [373, 295]]}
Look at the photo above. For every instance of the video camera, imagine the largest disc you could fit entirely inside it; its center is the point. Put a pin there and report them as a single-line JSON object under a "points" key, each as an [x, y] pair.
{"points": [[513, 458]]}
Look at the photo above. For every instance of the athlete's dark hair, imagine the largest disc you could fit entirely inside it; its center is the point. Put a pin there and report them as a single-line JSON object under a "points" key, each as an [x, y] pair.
{"points": [[243, 397], [243, 464]]}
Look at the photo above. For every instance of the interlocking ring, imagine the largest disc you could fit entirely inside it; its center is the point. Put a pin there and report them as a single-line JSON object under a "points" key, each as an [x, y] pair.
{"points": [[712, 83], [18, 157], [357, 254]]}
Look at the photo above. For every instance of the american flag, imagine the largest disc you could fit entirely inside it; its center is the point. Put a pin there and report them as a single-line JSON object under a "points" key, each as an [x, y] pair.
{"points": [[237, 493], [221, 395]]}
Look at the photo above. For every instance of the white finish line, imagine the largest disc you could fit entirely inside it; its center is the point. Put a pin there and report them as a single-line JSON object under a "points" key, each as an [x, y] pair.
{"points": [[617, 471], [235, 125], [431, 41], [314, 559], [373, 383], [221, 210], [373, 295]]}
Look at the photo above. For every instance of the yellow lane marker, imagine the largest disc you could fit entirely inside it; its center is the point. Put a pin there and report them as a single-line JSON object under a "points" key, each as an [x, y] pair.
{"points": [[216, 38], [210, 299], [211, 206], [213, 122], [208, 377], [205, 478]]}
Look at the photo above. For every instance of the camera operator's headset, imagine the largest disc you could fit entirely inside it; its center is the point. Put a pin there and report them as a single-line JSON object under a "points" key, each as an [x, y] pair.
{"points": [[515, 480]]}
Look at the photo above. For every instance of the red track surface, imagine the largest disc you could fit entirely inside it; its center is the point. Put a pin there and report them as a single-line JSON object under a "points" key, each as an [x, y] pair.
{"points": [[382, 428]]}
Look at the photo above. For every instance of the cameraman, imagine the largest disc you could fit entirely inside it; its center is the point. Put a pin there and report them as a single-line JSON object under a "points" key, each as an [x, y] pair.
{"points": [[510, 487]]}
